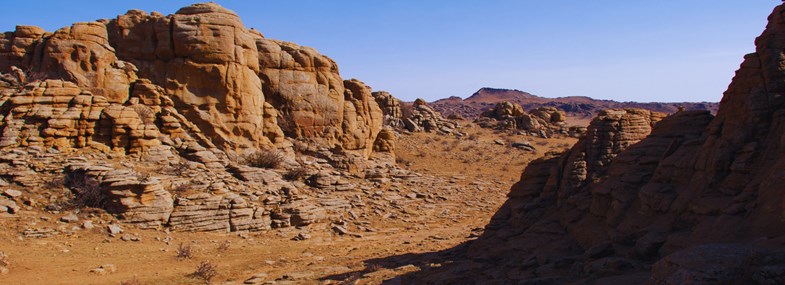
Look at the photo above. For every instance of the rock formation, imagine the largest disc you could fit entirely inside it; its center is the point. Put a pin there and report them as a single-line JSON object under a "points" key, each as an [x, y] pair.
{"points": [[421, 117], [542, 121], [239, 89], [391, 108], [698, 200], [195, 90]]}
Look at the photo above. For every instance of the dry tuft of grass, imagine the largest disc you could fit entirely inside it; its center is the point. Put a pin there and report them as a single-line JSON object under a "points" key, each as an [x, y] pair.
{"points": [[296, 173], [87, 190], [263, 159], [184, 251], [205, 271]]}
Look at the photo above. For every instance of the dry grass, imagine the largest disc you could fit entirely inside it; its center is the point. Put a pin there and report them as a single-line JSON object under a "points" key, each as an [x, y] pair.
{"points": [[184, 251], [296, 173], [87, 190], [206, 271], [264, 159]]}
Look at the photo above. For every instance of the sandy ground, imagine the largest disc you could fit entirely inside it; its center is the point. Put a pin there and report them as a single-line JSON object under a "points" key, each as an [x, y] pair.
{"points": [[472, 175]]}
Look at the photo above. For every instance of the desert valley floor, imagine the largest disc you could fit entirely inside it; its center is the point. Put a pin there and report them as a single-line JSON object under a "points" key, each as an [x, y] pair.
{"points": [[454, 187]]}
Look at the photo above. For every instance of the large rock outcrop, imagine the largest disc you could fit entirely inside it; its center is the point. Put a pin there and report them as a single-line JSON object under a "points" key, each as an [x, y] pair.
{"points": [[699, 200], [422, 117], [239, 89], [543, 121], [195, 91]]}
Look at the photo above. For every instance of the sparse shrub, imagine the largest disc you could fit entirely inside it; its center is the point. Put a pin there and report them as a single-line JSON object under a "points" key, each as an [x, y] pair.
{"points": [[181, 188], [295, 173], [146, 114], [401, 160], [143, 177], [205, 271], [373, 267], [406, 110], [455, 116], [178, 168], [54, 183], [4, 262], [264, 159], [184, 251], [87, 190], [224, 246]]}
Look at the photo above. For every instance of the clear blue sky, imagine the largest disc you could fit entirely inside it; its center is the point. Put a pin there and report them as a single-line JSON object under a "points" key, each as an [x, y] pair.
{"points": [[632, 50]]}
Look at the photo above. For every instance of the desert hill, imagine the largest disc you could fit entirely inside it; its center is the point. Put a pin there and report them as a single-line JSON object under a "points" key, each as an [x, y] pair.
{"points": [[575, 106]]}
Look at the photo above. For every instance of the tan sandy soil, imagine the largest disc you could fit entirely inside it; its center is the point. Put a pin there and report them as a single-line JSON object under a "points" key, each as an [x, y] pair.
{"points": [[466, 178]]}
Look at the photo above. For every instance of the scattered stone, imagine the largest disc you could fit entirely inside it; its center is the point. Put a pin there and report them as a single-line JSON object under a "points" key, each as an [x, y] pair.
{"points": [[39, 233], [258, 278], [343, 231], [8, 206], [524, 145], [88, 225], [71, 218], [12, 193], [104, 269], [114, 229], [302, 236], [130, 237]]}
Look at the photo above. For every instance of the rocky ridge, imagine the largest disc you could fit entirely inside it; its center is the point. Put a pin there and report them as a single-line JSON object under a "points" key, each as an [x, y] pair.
{"points": [[575, 106]]}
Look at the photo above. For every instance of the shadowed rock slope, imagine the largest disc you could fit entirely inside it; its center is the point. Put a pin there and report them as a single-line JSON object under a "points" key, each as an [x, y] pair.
{"points": [[699, 200]]}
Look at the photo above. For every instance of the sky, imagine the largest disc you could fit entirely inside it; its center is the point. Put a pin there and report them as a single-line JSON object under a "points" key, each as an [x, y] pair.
{"points": [[625, 50]]}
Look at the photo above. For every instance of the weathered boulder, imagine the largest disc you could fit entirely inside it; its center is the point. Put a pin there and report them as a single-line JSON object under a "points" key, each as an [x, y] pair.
{"points": [[305, 87], [391, 108], [423, 118], [543, 121], [207, 61], [135, 200]]}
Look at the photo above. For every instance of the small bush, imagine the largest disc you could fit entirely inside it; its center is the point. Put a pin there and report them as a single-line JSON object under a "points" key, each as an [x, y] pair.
{"points": [[205, 271], [146, 114], [295, 173], [4, 262], [181, 188], [407, 110], [54, 183], [224, 246], [178, 168], [184, 251], [143, 177], [264, 159], [87, 190]]}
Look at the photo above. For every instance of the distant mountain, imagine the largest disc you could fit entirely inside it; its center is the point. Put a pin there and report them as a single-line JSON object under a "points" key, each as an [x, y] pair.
{"points": [[576, 106]]}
